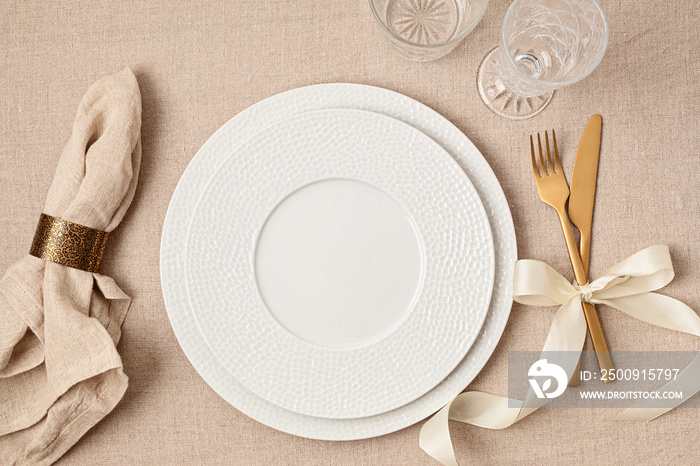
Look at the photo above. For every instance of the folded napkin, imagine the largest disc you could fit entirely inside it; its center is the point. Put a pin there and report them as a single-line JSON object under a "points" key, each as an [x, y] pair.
{"points": [[60, 372]]}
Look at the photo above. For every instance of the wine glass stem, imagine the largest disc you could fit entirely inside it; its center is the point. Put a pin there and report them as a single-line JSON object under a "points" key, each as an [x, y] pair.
{"points": [[529, 63], [503, 93]]}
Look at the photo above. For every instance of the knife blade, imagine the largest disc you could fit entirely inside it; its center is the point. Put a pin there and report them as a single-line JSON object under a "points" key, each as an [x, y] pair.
{"points": [[581, 201], [583, 184]]}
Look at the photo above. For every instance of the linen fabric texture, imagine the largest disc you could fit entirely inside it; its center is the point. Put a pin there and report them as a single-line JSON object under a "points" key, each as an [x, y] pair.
{"points": [[60, 372]]}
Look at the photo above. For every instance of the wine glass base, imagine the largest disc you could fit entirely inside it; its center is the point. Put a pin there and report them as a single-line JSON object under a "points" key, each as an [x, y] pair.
{"points": [[423, 21], [499, 99]]}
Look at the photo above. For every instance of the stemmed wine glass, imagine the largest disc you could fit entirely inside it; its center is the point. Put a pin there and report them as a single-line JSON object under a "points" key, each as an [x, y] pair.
{"points": [[545, 45]]}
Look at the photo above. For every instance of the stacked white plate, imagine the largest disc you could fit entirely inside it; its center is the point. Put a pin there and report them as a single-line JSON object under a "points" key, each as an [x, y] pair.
{"points": [[336, 261]]}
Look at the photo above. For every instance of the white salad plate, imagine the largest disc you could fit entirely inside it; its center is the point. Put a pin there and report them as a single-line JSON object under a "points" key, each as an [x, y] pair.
{"points": [[215, 152], [339, 263]]}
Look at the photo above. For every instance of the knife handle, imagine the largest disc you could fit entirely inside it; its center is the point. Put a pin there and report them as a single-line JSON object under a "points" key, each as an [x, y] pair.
{"points": [[589, 310], [585, 251], [599, 345]]}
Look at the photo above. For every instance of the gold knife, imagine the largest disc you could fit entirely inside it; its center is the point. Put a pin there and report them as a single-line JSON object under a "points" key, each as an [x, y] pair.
{"points": [[581, 200]]}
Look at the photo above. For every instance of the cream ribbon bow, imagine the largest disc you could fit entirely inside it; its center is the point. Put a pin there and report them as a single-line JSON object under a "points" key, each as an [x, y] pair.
{"points": [[627, 286]]}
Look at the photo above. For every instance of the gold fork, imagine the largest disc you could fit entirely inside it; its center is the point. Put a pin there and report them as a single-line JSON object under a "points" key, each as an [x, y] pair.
{"points": [[554, 190]]}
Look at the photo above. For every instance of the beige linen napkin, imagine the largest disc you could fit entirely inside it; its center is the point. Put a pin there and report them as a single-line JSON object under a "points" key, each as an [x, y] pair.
{"points": [[60, 372]]}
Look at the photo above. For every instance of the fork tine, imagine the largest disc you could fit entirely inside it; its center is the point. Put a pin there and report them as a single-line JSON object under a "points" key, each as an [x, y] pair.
{"points": [[549, 154], [534, 160], [543, 165], [556, 151]]}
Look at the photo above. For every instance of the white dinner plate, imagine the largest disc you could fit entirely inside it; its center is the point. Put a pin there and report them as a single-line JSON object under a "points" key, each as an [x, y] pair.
{"points": [[214, 152], [340, 263]]}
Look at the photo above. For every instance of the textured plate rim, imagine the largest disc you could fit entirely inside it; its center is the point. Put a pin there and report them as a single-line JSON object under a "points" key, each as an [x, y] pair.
{"points": [[453, 353]]}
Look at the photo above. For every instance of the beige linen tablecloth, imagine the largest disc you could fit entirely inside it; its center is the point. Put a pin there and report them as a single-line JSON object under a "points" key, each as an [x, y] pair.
{"points": [[200, 63]]}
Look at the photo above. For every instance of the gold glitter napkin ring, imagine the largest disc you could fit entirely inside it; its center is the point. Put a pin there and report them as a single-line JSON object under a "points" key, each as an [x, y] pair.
{"points": [[70, 244]]}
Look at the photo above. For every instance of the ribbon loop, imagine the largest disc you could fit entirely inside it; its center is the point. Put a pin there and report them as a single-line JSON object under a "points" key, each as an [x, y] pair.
{"points": [[537, 284], [648, 270]]}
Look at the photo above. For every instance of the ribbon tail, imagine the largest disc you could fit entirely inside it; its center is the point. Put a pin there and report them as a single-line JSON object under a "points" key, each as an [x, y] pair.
{"points": [[435, 437], [475, 408], [687, 382], [567, 334], [662, 311]]}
